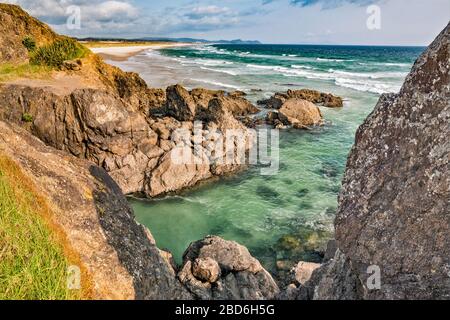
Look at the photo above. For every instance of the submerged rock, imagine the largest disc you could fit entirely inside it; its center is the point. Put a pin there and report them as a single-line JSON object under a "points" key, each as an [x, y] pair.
{"points": [[241, 276]]}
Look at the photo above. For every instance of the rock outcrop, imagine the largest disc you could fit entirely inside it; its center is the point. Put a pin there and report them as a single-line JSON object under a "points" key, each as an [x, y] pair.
{"points": [[187, 106], [326, 99], [394, 209], [119, 254], [116, 133], [217, 269]]}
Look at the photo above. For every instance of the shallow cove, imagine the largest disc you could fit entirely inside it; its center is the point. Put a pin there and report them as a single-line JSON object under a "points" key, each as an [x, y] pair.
{"points": [[288, 216], [271, 215]]}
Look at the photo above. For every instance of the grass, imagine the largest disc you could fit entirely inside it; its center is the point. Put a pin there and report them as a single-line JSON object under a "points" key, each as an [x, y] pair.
{"points": [[54, 54], [34, 254], [10, 72]]}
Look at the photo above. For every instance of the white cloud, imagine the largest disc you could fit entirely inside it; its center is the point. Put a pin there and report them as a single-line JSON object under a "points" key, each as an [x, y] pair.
{"points": [[96, 15]]}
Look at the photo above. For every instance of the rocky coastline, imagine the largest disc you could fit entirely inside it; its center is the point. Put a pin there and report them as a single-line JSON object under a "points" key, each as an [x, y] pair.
{"points": [[112, 135]]}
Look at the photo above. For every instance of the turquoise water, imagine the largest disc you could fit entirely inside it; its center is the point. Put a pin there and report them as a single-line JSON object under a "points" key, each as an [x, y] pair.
{"points": [[287, 216]]}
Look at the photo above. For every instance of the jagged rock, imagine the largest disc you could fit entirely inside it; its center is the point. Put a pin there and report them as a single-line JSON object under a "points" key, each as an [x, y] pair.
{"points": [[241, 275], [300, 114], [274, 102], [393, 209], [119, 255], [203, 96], [326, 99], [157, 100], [180, 103]]}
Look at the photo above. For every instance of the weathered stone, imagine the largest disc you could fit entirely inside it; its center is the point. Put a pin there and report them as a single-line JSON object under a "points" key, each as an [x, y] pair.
{"points": [[206, 269], [300, 113], [241, 275], [394, 209], [326, 99], [180, 103]]}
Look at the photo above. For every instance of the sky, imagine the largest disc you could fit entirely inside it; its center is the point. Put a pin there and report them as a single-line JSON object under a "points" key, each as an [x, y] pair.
{"points": [[353, 22]]}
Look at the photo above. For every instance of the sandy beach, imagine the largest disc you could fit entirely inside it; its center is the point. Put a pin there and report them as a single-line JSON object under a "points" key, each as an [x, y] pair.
{"points": [[123, 51]]}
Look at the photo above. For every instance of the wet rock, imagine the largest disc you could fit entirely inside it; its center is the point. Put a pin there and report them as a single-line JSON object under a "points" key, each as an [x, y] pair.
{"points": [[241, 275]]}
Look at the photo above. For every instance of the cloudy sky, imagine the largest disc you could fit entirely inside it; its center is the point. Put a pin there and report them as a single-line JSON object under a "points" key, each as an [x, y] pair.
{"points": [[402, 22]]}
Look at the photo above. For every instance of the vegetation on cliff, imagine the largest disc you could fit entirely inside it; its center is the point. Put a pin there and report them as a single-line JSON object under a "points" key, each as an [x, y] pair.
{"points": [[54, 54], [33, 256]]}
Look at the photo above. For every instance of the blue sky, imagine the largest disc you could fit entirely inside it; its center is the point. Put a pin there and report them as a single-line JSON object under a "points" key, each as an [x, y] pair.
{"points": [[403, 22]]}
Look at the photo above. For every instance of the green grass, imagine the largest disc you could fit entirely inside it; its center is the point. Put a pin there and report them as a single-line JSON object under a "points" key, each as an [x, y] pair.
{"points": [[54, 54], [10, 72], [33, 261]]}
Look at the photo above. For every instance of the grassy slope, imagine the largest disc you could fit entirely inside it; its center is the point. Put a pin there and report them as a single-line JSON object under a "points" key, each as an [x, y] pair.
{"points": [[34, 254], [9, 72]]}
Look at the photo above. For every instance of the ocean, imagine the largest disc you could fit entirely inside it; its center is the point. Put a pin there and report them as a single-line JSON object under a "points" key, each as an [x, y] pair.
{"points": [[277, 217]]}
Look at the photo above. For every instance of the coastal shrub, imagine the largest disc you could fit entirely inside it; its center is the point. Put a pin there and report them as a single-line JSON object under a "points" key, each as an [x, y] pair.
{"points": [[54, 54], [26, 117], [29, 43], [33, 261]]}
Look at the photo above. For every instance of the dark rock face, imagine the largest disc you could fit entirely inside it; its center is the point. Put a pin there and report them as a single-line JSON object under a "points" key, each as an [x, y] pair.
{"points": [[394, 208], [214, 268]]}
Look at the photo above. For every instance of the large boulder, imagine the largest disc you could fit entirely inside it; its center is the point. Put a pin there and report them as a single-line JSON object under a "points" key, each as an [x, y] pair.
{"points": [[394, 209], [326, 99], [300, 113], [214, 268]]}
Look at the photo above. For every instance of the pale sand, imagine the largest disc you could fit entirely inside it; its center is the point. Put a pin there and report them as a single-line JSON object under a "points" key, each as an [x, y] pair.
{"points": [[121, 53]]}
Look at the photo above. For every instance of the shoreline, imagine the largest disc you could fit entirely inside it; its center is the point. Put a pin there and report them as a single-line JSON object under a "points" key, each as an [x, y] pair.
{"points": [[124, 52]]}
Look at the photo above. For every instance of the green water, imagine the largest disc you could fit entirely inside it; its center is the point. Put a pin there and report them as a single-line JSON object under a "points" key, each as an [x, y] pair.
{"points": [[258, 210], [275, 215]]}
